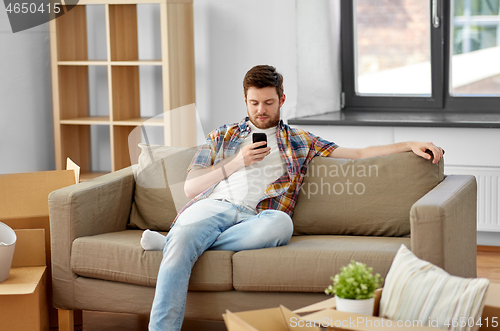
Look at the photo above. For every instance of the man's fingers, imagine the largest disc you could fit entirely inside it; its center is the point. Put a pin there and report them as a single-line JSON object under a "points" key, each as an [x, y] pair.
{"points": [[422, 152], [428, 151], [252, 156], [257, 144], [437, 153], [260, 154], [261, 151]]}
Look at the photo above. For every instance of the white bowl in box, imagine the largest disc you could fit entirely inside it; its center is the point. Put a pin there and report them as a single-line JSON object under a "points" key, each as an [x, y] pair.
{"points": [[7, 244]]}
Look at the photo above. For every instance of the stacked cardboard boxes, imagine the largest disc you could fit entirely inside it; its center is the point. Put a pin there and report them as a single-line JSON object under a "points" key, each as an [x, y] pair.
{"points": [[24, 205], [23, 297], [323, 316]]}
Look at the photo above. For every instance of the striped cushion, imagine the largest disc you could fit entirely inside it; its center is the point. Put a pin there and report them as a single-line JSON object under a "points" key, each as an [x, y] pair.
{"points": [[416, 290]]}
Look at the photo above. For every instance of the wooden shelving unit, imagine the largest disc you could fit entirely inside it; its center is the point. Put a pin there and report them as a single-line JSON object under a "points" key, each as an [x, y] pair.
{"points": [[73, 116]]}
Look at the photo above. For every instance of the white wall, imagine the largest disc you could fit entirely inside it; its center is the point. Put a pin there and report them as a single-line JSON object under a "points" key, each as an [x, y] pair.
{"points": [[26, 129], [230, 38]]}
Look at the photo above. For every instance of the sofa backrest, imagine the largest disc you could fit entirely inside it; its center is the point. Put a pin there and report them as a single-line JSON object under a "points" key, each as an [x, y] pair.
{"points": [[369, 197], [365, 197]]}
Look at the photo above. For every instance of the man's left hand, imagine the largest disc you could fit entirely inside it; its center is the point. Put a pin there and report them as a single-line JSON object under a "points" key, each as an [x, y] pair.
{"points": [[419, 148]]}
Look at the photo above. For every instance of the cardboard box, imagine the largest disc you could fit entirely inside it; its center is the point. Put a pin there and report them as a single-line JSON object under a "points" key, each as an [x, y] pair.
{"points": [[23, 302], [24, 205], [282, 319]]}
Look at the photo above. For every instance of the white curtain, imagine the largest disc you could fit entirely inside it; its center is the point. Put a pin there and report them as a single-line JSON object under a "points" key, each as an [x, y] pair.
{"points": [[318, 57]]}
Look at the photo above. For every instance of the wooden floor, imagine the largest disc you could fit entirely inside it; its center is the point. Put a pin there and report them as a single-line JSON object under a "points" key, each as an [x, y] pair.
{"points": [[488, 263], [488, 266]]}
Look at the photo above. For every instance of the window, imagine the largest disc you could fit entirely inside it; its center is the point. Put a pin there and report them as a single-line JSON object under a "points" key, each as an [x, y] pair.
{"points": [[475, 40], [421, 54]]}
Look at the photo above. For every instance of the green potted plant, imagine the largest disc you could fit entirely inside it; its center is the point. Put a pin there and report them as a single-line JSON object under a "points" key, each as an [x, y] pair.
{"points": [[354, 288]]}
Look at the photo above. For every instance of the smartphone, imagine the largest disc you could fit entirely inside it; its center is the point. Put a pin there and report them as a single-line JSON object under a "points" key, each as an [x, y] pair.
{"points": [[259, 136]]}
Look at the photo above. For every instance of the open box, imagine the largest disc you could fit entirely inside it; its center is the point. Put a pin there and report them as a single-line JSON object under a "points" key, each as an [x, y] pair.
{"points": [[324, 314], [24, 205], [23, 302]]}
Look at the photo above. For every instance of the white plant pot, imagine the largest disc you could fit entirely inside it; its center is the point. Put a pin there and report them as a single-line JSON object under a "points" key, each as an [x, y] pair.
{"points": [[7, 244], [363, 307]]}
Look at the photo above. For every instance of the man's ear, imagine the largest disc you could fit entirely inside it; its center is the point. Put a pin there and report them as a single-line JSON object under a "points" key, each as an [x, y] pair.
{"points": [[282, 100]]}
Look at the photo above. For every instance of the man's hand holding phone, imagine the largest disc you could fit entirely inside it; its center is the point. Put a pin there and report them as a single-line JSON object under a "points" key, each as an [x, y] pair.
{"points": [[256, 151]]}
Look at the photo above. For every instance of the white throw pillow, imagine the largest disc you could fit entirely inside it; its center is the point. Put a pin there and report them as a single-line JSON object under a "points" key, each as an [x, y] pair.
{"points": [[417, 290], [159, 191]]}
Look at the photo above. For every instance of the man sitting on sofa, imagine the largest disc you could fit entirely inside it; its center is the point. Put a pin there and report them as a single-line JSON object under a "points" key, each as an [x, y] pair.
{"points": [[243, 195]]}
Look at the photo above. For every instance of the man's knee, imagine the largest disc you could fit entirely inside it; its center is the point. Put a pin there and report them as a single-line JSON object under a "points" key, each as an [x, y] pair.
{"points": [[281, 220], [278, 215]]}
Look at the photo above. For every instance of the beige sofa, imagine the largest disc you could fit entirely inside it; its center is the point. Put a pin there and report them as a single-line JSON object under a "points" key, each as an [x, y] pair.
{"points": [[362, 210]]}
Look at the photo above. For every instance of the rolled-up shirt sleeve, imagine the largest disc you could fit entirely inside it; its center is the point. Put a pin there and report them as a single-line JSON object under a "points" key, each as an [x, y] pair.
{"points": [[322, 146]]}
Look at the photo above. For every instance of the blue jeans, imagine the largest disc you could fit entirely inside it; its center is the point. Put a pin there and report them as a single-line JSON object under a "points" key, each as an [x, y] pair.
{"points": [[208, 224]]}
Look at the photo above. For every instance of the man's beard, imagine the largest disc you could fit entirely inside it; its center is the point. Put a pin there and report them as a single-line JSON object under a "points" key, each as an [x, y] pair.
{"points": [[270, 121]]}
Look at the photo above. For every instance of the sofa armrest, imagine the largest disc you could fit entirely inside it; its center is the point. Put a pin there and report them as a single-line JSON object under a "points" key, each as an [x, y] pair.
{"points": [[443, 225], [100, 205]]}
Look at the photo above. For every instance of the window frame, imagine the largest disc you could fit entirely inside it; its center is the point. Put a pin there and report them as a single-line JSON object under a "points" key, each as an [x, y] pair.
{"points": [[440, 99]]}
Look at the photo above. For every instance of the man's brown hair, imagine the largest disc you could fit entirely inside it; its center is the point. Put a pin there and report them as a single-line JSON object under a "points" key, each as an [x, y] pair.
{"points": [[262, 76]]}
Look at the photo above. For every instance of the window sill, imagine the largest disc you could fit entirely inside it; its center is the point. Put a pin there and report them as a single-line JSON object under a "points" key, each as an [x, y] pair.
{"points": [[401, 119]]}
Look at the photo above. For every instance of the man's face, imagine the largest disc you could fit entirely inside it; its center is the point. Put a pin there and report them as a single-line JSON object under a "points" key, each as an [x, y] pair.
{"points": [[263, 106]]}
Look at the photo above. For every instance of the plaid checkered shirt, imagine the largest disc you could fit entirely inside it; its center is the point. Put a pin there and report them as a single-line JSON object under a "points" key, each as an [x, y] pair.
{"points": [[297, 148]]}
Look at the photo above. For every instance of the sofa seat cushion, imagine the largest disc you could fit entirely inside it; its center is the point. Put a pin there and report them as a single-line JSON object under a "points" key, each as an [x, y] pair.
{"points": [[119, 257], [307, 262]]}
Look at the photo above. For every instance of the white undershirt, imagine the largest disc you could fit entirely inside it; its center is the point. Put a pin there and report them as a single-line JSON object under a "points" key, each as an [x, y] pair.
{"points": [[247, 185]]}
